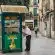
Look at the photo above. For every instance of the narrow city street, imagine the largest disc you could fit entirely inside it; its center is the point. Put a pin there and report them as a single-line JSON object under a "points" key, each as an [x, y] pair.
{"points": [[39, 46], [18, 18]]}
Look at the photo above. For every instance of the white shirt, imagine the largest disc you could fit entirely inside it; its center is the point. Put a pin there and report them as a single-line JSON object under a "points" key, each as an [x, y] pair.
{"points": [[27, 31]]}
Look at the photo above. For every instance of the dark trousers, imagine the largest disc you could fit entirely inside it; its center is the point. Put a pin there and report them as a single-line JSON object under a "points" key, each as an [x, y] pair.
{"points": [[28, 40]]}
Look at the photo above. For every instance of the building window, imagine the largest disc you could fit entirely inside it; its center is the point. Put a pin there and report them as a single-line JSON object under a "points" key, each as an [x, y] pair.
{"points": [[35, 11], [38, 1], [35, 2]]}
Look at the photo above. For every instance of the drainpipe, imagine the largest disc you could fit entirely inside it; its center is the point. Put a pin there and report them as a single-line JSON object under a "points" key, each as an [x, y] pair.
{"points": [[54, 15], [50, 25]]}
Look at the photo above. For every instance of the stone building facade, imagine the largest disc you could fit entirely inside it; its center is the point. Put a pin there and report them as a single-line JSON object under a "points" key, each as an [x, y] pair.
{"points": [[46, 18]]}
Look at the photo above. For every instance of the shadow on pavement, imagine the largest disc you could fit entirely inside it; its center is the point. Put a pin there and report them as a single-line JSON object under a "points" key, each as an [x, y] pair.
{"points": [[27, 53]]}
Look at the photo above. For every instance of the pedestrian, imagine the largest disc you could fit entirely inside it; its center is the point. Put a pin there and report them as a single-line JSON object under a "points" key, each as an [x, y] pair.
{"points": [[27, 32], [36, 30]]}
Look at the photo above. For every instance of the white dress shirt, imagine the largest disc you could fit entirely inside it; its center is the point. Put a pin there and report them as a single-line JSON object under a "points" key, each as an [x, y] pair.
{"points": [[27, 31]]}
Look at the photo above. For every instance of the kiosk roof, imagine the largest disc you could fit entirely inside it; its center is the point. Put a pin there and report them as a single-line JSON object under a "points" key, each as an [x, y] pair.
{"points": [[14, 8]]}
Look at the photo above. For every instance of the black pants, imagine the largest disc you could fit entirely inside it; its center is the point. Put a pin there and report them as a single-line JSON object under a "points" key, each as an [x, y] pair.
{"points": [[28, 40]]}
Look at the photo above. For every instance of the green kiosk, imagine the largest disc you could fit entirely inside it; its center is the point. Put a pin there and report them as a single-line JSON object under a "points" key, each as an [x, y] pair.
{"points": [[12, 27]]}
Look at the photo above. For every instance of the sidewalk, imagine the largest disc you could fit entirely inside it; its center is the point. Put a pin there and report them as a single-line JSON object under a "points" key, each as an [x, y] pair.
{"points": [[43, 46], [39, 46]]}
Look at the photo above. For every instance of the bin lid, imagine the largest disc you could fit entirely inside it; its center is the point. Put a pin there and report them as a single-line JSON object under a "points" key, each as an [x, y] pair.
{"points": [[14, 8]]}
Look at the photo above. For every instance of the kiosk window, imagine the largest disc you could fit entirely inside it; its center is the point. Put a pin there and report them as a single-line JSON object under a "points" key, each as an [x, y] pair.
{"points": [[12, 24]]}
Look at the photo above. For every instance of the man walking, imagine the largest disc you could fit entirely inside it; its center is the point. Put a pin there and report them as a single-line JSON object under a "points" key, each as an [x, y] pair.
{"points": [[27, 32]]}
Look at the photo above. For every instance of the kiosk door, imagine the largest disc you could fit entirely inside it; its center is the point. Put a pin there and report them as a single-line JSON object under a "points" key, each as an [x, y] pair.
{"points": [[11, 32]]}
